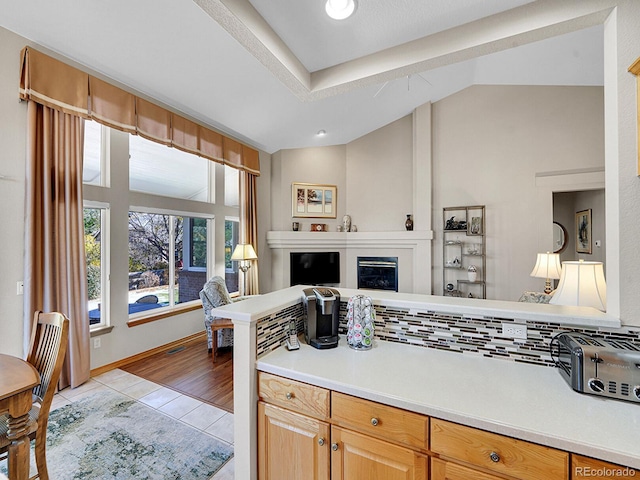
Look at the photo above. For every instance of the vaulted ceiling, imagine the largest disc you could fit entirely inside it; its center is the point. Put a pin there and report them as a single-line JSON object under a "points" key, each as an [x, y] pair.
{"points": [[274, 73]]}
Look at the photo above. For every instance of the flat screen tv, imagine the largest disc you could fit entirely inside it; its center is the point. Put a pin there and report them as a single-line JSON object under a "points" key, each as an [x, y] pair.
{"points": [[315, 268]]}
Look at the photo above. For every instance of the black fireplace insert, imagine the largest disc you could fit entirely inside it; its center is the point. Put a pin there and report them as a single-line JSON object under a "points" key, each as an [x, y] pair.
{"points": [[378, 273]]}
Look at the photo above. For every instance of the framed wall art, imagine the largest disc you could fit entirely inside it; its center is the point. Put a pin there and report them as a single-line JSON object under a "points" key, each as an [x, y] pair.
{"points": [[313, 201], [583, 231]]}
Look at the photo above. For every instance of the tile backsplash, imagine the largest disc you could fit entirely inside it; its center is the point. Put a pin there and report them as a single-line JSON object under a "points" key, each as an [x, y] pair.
{"points": [[457, 333]]}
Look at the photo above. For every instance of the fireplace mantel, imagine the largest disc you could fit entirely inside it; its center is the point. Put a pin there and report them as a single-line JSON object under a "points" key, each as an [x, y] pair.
{"points": [[413, 250], [401, 239]]}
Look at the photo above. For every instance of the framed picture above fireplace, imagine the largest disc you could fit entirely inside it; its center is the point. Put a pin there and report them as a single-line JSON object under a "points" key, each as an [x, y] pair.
{"points": [[313, 201]]}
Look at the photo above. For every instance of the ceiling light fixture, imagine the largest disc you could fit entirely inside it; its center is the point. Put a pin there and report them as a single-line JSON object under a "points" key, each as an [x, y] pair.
{"points": [[340, 9], [321, 133]]}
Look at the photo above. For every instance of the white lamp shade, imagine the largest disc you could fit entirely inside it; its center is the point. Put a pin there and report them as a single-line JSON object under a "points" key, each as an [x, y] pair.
{"points": [[582, 284], [547, 266], [244, 251]]}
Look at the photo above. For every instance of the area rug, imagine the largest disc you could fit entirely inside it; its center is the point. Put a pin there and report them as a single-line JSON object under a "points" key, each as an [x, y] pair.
{"points": [[108, 435]]}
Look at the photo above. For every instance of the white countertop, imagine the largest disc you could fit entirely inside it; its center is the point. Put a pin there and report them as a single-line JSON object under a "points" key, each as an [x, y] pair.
{"points": [[520, 400], [254, 308]]}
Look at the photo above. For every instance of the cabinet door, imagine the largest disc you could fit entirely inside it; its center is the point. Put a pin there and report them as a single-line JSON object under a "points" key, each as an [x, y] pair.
{"points": [[441, 470], [291, 446], [355, 456]]}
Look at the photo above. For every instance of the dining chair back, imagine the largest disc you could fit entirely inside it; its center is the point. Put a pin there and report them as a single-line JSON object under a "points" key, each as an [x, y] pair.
{"points": [[47, 349]]}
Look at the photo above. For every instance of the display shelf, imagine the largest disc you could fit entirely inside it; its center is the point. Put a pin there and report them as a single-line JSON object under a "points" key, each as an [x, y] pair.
{"points": [[467, 222]]}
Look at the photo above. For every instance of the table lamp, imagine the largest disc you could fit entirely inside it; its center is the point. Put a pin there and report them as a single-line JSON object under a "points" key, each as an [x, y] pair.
{"points": [[547, 267], [244, 253], [582, 284]]}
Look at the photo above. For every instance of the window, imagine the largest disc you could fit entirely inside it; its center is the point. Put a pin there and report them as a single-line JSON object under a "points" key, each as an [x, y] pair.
{"points": [[92, 154], [161, 170], [231, 186], [95, 221], [168, 204], [231, 233], [158, 273]]}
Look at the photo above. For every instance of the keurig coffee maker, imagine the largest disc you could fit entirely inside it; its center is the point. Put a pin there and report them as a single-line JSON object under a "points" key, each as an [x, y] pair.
{"points": [[321, 316]]}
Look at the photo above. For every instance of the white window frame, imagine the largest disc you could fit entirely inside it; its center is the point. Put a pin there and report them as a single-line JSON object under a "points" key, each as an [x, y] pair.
{"points": [[105, 262]]}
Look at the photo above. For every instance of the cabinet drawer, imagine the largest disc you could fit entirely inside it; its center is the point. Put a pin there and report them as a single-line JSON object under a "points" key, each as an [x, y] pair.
{"points": [[583, 467], [389, 423], [497, 453], [294, 395]]}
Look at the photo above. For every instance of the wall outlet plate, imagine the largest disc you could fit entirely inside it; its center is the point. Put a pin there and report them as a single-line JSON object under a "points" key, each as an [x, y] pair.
{"points": [[514, 330]]}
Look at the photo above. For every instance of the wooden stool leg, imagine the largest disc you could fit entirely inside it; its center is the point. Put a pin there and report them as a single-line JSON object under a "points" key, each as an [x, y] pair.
{"points": [[215, 345]]}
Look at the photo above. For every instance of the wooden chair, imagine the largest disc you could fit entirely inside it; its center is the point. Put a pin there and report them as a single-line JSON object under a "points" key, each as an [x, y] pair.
{"points": [[46, 353]]}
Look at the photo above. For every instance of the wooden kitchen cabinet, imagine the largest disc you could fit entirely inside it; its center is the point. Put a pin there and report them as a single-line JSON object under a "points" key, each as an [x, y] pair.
{"points": [[357, 456], [293, 430], [442, 470], [496, 454], [585, 467], [291, 446]]}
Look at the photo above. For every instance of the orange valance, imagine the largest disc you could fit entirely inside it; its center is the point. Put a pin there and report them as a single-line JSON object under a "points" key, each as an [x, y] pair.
{"points": [[50, 82]]}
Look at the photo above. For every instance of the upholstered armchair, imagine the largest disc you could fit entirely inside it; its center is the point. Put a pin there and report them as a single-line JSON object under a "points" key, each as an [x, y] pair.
{"points": [[215, 294]]}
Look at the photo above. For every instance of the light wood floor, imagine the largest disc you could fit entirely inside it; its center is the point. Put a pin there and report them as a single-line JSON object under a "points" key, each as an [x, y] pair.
{"points": [[188, 369]]}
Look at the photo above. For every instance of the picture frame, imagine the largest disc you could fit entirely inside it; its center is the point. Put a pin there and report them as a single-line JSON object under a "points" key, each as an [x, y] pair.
{"points": [[583, 231], [310, 200]]}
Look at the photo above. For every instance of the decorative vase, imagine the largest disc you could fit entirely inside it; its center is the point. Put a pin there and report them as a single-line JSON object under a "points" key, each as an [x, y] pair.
{"points": [[409, 223], [360, 322], [346, 223], [472, 273]]}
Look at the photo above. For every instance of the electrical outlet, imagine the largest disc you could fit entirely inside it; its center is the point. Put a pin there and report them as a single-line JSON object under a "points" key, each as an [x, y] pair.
{"points": [[514, 330], [96, 342], [20, 288]]}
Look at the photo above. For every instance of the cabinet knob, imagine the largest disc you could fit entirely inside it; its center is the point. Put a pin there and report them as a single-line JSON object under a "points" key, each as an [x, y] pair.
{"points": [[321, 441], [374, 421], [494, 457], [289, 395], [334, 447]]}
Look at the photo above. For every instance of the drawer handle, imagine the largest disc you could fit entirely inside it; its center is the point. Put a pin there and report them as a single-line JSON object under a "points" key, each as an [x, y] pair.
{"points": [[334, 447], [374, 422], [494, 457], [321, 442], [290, 395]]}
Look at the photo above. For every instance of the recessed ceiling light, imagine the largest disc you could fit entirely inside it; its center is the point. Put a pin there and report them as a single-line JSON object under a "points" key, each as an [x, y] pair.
{"points": [[340, 9], [321, 133]]}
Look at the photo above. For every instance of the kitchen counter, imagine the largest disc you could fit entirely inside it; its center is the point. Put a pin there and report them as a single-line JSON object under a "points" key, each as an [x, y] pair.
{"points": [[254, 308], [503, 396], [519, 400]]}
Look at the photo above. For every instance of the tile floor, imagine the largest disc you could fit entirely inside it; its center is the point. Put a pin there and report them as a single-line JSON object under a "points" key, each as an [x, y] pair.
{"points": [[207, 418]]}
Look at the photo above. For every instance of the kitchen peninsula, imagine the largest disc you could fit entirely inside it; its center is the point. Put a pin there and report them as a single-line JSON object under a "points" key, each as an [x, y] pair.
{"points": [[515, 394]]}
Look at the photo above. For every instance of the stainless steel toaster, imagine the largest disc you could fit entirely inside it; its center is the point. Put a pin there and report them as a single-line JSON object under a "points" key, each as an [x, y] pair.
{"points": [[608, 368]]}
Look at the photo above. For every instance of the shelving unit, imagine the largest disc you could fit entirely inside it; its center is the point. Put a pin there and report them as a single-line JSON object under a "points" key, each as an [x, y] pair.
{"points": [[463, 245]]}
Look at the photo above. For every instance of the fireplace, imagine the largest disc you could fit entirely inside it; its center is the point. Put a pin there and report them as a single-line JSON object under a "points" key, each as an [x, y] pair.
{"points": [[378, 273]]}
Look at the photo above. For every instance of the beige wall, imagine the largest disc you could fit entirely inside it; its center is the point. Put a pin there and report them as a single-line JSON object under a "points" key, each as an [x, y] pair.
{"points": [[320, 165], [565, 206], [489, 142], [13, 121], [379, 178]]}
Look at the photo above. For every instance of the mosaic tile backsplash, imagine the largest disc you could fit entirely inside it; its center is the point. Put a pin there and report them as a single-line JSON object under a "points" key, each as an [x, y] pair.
{"points": [[456, 333]]}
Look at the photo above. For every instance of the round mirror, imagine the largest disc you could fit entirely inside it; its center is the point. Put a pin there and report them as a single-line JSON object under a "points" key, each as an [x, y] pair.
{"points": [[559, 237]]}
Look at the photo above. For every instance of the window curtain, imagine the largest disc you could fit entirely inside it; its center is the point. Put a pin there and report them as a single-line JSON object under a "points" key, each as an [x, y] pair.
{"points": [[55, 267], [249, 227]]}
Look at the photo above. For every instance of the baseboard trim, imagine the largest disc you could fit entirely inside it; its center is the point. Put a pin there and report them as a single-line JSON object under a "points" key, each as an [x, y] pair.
{"points": [[139, 356]]}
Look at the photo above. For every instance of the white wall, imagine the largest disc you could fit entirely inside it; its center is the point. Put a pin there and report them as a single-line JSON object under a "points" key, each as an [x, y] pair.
{"points": [[488, 144]]}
